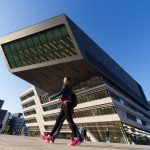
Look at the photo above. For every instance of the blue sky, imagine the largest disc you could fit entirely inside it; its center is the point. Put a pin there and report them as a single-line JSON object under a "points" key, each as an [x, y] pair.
{"points": [[120, 27]]}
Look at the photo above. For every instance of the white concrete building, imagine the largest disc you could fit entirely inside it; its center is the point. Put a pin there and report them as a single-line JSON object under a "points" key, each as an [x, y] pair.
{"points": [[100, 106]]}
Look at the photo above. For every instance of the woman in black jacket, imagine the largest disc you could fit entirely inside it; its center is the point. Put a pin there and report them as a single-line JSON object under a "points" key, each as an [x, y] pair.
{"points": [[66, 113]]}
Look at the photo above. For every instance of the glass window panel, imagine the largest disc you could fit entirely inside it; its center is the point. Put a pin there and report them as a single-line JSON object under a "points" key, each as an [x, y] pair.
{"points": [[40, 54], [9, 56], [93, 96], [49, 54], [23, 44], [96, 95], [21, 53], [33, 50], [90, 112], [87, 98], [100, 95], [49, 36], [90, 97], [63, 30], [99, 111], [139, 121], [15, 54], [43, 38], [29, 42], [50, 47], [62, 49], [84, 98], [26, 51], [56, 33], [104, 93], [54, 50], [51, 44], [35, 40]]}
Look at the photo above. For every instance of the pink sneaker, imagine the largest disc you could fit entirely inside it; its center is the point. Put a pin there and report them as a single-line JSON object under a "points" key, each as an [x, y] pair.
{"points": [[75, 142], [43, 137], [50, 139]]}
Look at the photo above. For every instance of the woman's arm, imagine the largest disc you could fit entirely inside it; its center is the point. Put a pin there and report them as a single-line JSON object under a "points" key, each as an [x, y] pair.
{"points": [[59, 93]]}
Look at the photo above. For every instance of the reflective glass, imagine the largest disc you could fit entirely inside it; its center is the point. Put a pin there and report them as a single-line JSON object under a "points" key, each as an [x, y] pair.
{"points": [[9, 56], [51, 44], [15, 55]]}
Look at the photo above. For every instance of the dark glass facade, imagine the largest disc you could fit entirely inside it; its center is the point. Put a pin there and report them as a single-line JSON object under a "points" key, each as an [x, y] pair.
{"points": [[138, 120], [51, 44]]}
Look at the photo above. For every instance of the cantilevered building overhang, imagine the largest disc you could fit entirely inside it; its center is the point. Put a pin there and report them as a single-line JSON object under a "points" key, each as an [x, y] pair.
{"points": [[44, 53]]}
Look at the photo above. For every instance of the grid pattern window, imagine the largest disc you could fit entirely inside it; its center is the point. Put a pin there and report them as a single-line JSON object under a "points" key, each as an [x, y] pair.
{"points": [[51, 44], [33, 120], [27, 96], [34, 131], [44, 99], [28, 104], [87, 113], [52, 107], [94, 81], [32, 112], [34, 128], [96, 95]]}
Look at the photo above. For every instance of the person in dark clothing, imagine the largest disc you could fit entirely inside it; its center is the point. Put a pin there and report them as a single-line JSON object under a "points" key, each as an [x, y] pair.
{"points": [[83, 132], [107, 135], [66, 113], [1, 125]]}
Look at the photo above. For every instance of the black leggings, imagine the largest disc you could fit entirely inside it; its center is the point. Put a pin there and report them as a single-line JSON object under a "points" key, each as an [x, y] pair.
{"points": [[65, 113]]}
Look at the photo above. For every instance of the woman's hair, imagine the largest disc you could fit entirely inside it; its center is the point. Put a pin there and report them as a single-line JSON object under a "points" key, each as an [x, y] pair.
{"points": [[70, 82], [68, 79]]}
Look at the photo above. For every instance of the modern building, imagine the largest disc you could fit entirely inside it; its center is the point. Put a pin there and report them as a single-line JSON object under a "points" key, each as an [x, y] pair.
{"points": [[33, 111], [109, 97], [4, 115], [1, 103], [15, 124]]}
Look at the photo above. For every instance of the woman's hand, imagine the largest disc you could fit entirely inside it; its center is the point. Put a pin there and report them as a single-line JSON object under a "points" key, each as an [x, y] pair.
{"points": [[49, 98], [61, 106]]}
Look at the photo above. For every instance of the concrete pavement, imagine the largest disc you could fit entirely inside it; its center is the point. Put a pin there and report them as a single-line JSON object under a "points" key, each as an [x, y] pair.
{"points": [[8, 142]]}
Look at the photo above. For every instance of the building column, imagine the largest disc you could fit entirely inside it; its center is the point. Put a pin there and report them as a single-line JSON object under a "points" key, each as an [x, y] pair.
{"points": [[92, 137]]}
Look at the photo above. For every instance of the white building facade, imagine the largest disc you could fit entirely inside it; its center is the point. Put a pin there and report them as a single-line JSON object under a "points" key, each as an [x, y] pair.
{"points": [[100, 106]]}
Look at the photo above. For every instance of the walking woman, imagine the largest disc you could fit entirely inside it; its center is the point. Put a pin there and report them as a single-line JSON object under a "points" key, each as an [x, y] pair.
{"points": [[66, 113]]}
